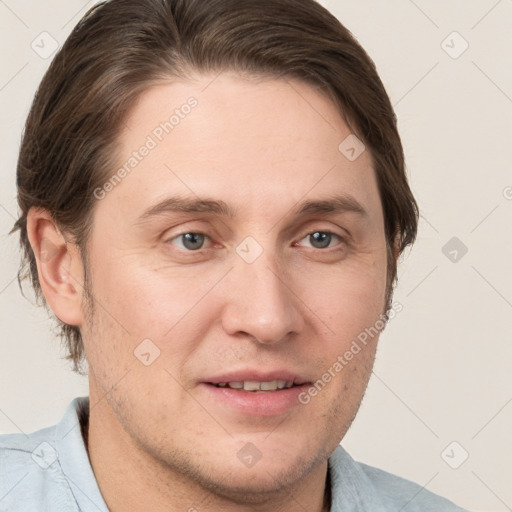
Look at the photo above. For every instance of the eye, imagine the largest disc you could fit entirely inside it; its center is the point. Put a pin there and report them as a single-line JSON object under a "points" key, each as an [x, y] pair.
{"points": [[191, 241], [321, 239]]}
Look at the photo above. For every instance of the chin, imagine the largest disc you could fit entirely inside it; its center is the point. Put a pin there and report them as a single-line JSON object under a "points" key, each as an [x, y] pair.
{"points": [[263, 479]]}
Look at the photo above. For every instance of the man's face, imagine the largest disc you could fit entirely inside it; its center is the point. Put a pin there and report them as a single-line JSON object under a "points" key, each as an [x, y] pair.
{"points": [[264, 294]]}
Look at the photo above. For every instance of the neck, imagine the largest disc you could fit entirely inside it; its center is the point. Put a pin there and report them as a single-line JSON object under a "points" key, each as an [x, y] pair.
{"points": [[130, 479]]}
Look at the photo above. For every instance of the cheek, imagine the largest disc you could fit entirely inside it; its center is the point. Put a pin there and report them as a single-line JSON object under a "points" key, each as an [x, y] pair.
{"points": [[137, 300], [138, 313], [150, 304], [348, 298]]}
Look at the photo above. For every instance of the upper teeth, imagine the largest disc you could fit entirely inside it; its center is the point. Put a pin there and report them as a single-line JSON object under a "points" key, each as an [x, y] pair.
{"points": [[249, 385]]}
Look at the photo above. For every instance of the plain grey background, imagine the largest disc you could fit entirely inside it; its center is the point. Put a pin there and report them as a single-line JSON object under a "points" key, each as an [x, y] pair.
{"points": [[438, 409]]}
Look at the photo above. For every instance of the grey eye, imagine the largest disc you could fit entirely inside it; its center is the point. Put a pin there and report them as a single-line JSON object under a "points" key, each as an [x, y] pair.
{"points": [[192, 241], [320, 239]]}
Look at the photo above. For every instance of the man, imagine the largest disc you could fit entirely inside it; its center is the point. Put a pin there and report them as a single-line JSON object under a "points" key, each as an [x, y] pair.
{"points": [[213, 201]]}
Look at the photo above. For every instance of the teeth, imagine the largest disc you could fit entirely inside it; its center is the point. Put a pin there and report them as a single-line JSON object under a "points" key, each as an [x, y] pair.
{"points": [[268, 386], [281, 384], [250, 385]]}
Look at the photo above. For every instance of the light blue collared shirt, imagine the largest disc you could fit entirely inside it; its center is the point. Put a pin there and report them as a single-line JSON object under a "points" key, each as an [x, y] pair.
{"points": [[49, 470]]}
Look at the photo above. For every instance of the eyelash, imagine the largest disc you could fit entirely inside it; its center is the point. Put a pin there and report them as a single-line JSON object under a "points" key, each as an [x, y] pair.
{"points": [[309, 233]]}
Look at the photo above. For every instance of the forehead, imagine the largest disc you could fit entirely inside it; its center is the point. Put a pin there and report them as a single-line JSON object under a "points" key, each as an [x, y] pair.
{"points": [[254, 143]]}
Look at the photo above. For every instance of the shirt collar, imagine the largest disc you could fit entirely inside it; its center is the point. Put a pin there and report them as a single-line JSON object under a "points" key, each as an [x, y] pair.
{"points": [[351, 489], [74, 459]]}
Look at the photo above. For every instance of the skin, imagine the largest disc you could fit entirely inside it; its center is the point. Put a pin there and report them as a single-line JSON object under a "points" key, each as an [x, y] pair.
{"points": [[157, 441]]}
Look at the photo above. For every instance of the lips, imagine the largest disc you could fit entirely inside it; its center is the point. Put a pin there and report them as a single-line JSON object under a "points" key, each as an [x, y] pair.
{"points": [[255, 403], [253, 380], [255, 393]]}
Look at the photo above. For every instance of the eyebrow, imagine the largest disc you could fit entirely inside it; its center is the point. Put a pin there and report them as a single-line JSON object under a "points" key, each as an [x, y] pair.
{"points": [[330, 205], [335, 204]]}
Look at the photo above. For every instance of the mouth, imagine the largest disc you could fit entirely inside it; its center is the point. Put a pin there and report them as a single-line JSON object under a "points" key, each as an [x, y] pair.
{"points": [[254, 397], [253, 386], [255, 392]]}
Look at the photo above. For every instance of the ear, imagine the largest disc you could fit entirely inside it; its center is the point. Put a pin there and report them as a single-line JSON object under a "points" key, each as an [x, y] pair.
{"points": [[59, 266]]}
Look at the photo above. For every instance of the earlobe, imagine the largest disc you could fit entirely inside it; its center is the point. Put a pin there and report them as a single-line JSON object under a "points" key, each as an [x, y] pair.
{"points": [[59, 266]]}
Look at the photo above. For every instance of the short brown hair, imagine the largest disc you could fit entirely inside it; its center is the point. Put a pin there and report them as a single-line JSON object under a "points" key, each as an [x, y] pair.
{"points": [[121, 47]]}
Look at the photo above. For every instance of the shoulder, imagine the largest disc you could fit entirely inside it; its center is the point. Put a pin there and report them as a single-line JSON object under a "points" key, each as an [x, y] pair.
{"points": [[406, 494], [381, 490], [26, 451], [31, 473]]}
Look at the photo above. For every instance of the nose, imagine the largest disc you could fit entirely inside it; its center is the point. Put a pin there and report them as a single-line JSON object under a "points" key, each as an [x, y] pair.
{"points": [[260, 302]]}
